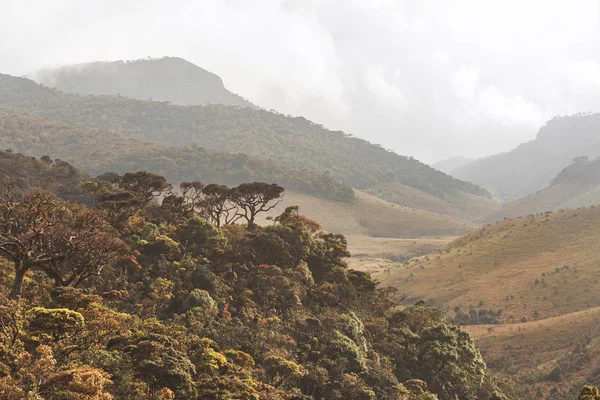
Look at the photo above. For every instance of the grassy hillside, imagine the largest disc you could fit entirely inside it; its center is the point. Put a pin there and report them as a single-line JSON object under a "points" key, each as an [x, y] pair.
{"points": [[459, 204], [576, 186], [96, 151], [531, 268], [532, 166], [165, 79], [295, 143], [370, 216], [561, 352]]}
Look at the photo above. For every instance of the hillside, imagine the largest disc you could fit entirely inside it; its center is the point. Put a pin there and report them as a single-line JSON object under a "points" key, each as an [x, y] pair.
{"points": [[559, 353], [56, 176], [96, 152], [448, 165], [532, 166], [294, 143], [534, 267], [576, 186], [459, 204], [137, 300], [373, 217], [166, 79]]}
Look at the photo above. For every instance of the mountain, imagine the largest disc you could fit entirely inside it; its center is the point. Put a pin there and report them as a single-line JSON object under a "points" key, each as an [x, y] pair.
{"points": [[165, 79], [96, 151], [294, 143], [578, 185], [450, 164], [532, 166]]}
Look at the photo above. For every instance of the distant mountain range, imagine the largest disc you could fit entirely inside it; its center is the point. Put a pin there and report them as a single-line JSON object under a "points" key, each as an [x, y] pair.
{"points": [[295, 144], [533, 165], [165, 79], [450, 164], [576, 186]]}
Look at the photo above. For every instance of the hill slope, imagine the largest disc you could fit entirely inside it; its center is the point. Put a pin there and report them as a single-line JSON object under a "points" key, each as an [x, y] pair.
{"points": [[532, 166], [370, 216], [166, 79], [576, 186], [560, 352], [534, 267], [295, 143], [450, 164], [96, 151]]}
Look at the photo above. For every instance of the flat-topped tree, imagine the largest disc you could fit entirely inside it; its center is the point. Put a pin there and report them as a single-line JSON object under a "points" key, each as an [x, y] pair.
{"points": [[123, 196], [178, 207], [146, 186], [254, 198], [66, 241], [216, 205]]}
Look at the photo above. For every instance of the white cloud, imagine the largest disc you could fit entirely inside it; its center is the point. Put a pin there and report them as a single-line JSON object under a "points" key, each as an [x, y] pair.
{"points": [[423, 77]]}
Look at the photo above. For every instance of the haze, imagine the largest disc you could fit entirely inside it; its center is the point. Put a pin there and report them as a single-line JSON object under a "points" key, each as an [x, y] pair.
{"points": [[430, 79]]}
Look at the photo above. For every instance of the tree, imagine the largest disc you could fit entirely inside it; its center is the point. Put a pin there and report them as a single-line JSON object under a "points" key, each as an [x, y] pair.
{"points": [[179, 207], [122, 197], [144, 185], [589, 393], [256, 197], [217, 206], [66, 241]]}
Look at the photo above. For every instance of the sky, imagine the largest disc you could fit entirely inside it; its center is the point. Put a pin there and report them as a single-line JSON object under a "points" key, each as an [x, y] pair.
{"points": [[426, 78]]}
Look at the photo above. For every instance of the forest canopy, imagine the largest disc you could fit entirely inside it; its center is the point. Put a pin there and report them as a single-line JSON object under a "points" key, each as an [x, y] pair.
{"points": [[144, 295]]}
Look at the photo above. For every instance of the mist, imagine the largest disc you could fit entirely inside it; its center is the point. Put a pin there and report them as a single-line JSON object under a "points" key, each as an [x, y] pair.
{"points": [[428, 79]]}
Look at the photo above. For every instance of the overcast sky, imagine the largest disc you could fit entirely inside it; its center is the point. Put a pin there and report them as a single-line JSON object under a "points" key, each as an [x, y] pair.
{"points": [[426, 78]]}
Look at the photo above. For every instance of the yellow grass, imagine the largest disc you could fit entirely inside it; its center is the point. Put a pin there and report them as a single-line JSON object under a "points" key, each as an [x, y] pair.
{"points": [[379, 256], [459, 204], [535, 343], [550, 199], [371, 216], [531, 350], [496, 267]]}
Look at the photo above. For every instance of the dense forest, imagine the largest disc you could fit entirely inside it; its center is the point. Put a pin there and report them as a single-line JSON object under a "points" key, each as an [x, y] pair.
{"points": [[294, 143], [96, 152], [156, 293], [165, 79]]}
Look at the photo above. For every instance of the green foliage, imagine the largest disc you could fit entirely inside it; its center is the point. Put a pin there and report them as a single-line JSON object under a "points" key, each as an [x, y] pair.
{"points": [[197, 311], [56, 323], [199, 237], [589, 393], [96, 151]]}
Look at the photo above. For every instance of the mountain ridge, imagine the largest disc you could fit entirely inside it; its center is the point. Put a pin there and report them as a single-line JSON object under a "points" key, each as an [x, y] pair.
{"points": [[164, 79], [294, 143], [576, 186], [531, 166]]}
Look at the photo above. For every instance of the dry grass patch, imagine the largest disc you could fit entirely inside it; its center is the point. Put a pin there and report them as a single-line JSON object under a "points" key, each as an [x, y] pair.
{"points": [[371, 216], [533, 267]]}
